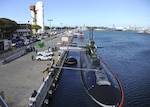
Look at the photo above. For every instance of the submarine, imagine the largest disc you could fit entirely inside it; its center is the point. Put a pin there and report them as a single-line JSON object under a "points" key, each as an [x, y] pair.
{"points": [[99, 81]]}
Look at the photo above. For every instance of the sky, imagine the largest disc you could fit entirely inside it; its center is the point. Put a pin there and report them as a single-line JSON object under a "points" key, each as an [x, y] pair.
{"points": [[121, 13]]}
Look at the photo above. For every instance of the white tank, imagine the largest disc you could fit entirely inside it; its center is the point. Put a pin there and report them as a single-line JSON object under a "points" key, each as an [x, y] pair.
{"points": [[40, 16]]}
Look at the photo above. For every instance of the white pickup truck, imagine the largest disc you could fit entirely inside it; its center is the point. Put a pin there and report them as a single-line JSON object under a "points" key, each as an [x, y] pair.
{"points": [[45, 53]]}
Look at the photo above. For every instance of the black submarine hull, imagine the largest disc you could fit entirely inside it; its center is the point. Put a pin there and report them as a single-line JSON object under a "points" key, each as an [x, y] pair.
{"points": [[99, 83]]}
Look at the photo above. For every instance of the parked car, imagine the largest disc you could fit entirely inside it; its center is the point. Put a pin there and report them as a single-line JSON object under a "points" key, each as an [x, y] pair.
{"points": [[39, 38], [45, 53], [26, 42], [28, 48], [46, 57], [19, 43]]}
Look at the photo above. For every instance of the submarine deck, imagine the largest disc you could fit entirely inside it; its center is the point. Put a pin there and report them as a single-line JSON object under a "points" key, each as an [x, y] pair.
{"points": [[103, 94]]}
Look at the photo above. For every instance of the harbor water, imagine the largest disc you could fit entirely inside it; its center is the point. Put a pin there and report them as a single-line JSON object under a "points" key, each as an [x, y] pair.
{"points": [[127, 53], [70, 92]]}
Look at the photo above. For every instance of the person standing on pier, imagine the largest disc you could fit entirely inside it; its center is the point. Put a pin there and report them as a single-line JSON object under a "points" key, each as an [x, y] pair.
{"points": [[32, 57], [36, 51]]}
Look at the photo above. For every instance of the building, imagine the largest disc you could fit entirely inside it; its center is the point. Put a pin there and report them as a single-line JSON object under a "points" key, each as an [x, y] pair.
{"points": [[39, 7], [23, 30]]}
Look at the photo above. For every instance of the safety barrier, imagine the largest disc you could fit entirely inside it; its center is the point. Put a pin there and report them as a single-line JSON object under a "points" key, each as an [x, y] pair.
{"points": [[14, 56], [36, 101]]}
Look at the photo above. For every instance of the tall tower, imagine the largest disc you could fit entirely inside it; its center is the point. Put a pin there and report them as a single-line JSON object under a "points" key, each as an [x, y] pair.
{"points": [[33, 14], [40, 16], [33, 17]]}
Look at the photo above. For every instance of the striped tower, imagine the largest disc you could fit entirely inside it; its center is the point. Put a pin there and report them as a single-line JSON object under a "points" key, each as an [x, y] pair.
{"points": [[33, 17]]}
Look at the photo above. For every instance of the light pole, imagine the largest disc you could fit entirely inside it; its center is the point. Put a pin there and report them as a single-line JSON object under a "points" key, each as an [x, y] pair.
{"points": [[28, 27], [0, 33], [50, 20]]}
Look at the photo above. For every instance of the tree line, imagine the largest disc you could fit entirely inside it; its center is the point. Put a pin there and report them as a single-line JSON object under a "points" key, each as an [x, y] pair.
{"points": [[8, 27]]}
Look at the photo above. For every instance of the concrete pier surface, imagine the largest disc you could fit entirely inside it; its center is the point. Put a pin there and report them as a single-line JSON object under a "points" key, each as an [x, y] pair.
{"points": [[19, 78]]}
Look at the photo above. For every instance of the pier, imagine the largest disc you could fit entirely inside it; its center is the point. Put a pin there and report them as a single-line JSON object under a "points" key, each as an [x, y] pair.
{"points": [[22, 77]]}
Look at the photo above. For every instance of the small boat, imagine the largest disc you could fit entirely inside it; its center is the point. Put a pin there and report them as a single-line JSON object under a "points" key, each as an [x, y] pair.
{"points": [[71, 61], [78, 35]]}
